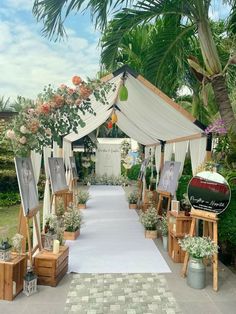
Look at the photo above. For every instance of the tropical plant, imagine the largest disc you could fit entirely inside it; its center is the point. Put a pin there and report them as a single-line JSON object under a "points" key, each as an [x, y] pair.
{"points": [[149, 219], [83, 197], [133, 197], [5, 104], [198, 247], [72, 219], [182, 19]]}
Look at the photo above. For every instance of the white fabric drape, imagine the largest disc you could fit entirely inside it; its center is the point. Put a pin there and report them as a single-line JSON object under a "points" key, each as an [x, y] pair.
{"points": [[67, 153], [36, 159], [56, 150], [197, 153], [168, 151], [180, 154], [158, 161], [46, 199]]}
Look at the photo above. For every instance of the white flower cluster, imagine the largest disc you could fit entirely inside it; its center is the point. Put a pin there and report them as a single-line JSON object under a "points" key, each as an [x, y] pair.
{"points": [[198, 247], [106, 180], [72, 219], [149, 219], [133, 197]]}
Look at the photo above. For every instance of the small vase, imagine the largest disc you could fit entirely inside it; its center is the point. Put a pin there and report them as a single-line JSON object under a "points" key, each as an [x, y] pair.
{"points": [[165, 242], [196, 275]]}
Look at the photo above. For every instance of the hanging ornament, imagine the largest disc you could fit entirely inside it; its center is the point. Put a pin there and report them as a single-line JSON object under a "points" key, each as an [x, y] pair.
{"points": [[114, 118], [109, 124], [123, 93]]}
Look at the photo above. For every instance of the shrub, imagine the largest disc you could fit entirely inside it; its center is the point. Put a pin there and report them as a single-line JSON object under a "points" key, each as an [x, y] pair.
{"points": [[8, 181], [182, 186], [134, 172], [9, 198]]}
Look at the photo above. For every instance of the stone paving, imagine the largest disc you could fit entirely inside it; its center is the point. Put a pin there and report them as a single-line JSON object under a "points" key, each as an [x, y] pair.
{"points": [[120, 294]]}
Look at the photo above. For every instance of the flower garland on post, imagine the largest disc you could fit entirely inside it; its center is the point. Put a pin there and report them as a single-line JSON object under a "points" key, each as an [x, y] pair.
{"points": [[55, 113]]}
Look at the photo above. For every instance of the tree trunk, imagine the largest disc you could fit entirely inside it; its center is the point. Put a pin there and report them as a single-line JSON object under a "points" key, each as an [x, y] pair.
{"points": [[222, 99]]}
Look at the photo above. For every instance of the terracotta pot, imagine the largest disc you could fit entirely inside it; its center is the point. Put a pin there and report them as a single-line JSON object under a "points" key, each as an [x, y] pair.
{"points": [[132, 206], [71, 235], [81, 206], [151, 234]]}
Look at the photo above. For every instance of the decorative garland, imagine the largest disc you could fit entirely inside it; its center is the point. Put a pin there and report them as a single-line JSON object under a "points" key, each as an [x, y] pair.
{"points": [[54, 114]]}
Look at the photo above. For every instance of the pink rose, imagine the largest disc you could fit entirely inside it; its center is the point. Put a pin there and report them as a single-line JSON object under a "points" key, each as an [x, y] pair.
{"points": [[10, 134], [23, 140]]}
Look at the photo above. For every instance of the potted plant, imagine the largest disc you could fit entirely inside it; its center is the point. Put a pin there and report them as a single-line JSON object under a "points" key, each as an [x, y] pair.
{"points": [[72, 223], [149, 220], [197, 248], [83, 197], [132, 199], [185, 205], [50, 232], [164, 231]]}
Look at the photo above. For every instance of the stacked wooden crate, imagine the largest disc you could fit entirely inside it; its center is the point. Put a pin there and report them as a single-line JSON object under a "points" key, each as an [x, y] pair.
{"points": [[50, 268], [178, 227], [12, 276]]}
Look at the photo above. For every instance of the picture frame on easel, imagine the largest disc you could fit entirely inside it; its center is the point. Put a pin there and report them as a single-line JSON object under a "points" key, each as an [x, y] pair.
{"points": [[57, 175]]}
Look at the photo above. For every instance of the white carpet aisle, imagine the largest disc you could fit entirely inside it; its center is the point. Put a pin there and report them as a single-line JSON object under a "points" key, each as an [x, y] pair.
{"points": [[112, 238]]}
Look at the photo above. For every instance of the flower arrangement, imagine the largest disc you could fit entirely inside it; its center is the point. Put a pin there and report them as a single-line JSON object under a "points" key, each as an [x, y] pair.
{"points": [[51, 224], [133, 197], [83, 197], [217, 127], [164, 226], [72, 219], [17, 242], [149, 219], [53, 114], [198, 247], [106, 180]]}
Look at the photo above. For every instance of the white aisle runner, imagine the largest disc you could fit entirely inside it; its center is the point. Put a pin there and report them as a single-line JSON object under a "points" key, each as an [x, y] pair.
{"points": [[112, 238]]}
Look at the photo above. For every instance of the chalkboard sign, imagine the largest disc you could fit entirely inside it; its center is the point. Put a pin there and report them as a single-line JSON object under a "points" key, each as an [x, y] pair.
{"points": [[209, 191]]}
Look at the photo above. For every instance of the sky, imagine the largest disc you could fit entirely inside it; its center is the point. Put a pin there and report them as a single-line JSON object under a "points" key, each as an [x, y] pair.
{"points": [[28, 61]]}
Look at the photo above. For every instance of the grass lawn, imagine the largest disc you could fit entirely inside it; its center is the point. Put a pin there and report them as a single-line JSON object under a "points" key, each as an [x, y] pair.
{"points": [[9, 219]]}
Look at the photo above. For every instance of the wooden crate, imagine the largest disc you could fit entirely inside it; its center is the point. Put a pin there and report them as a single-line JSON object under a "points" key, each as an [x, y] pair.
{"points": [[12, 276], [178, 226], [178, 223], [50, 268]]}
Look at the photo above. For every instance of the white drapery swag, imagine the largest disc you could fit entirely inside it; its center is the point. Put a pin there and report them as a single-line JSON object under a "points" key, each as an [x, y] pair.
{"points": [[168, 151], [197, 153], [46, 199], [158, 162], [36, 159], [180, 154], [67, 153], [56, 150]]}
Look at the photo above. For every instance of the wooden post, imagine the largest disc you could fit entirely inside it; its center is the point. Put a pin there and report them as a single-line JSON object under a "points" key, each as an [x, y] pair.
{"points": [[161, 196], [162, 155], [212, 228], [208, 147]]}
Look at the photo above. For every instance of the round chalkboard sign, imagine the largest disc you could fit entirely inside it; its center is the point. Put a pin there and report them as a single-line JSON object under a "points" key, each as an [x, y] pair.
{"points": [[209, 191]]}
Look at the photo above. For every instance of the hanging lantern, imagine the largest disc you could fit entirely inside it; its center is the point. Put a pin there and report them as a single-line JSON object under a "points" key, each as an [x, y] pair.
{"points": [[109, 125], [114, 118], [123, 93], [5, 251], [30, 282]]}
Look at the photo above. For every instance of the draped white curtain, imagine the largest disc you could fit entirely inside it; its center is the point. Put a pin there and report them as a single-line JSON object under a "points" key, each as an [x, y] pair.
{"points": [[197, 153], [56, 150], [158, 161], [67, 153], [168, 151], [46, 199], [36, 159], [180, 153]]}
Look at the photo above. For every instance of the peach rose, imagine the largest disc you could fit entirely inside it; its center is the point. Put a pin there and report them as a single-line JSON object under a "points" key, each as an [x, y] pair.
{"points": [[34, 126], [23, 140], [76, 80], [10, 134], [85, 92], [44, 108], [58, 100]]}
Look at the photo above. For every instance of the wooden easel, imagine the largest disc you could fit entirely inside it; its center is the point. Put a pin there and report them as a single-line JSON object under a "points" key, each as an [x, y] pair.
{"points": [[161, 196], [140, 193], [74, 190], [60, 194], [24, 229], [210, 229]]}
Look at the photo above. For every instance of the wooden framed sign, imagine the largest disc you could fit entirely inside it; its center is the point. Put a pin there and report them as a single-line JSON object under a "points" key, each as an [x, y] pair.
{"points": [[57, 174], [209, 191], [27, 184]]}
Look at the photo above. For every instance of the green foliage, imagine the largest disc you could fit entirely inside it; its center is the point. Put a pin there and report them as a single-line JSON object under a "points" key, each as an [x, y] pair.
{"points": [[183, 185], [134, 172], [72, 220], [133, 197], [8, 181], [9, 198]]}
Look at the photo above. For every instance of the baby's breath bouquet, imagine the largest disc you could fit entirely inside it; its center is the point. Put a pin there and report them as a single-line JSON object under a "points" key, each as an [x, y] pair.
{"points": [[149, 219], [72, 219], [133, 197], [198, 247]]}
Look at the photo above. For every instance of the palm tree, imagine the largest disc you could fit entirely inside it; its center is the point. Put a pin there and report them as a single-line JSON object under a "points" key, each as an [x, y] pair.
{"points": [[190, 15]]}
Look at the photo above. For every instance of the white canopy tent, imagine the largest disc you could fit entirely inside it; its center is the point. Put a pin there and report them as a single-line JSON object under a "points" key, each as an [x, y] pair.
{"points": [[148, 116]]}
